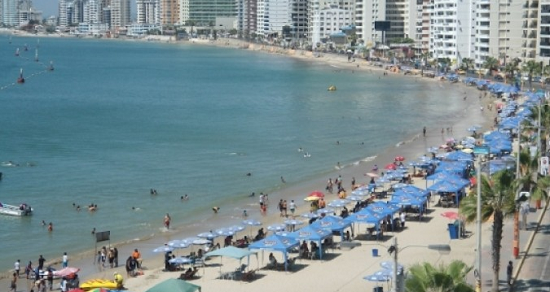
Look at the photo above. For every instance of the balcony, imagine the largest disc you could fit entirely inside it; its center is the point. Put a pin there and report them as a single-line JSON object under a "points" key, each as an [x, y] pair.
{"points": [[533, 24], [533, 35]]}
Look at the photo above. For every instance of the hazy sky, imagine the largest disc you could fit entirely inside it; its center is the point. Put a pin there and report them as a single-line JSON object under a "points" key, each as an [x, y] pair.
{"points": [[50, 7]]}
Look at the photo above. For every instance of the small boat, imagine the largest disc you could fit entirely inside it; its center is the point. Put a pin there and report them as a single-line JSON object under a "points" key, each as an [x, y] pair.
{"points": [[17, 52], [98, 283], [21, 79], [332, 88], [22, 210]]}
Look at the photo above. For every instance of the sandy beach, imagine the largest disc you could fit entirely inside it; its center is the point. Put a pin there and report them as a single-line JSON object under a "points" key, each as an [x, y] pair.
{"points": [[342, 270]]}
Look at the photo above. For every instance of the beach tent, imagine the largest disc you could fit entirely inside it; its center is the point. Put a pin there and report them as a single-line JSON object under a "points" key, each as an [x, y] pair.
{"points": [[334, 223], [174, 285], [447, 187], [415, 191], [232, 252], [408, 200], [384, 209], [366, 217], [276, 243], [311, 233], [459, 156]]}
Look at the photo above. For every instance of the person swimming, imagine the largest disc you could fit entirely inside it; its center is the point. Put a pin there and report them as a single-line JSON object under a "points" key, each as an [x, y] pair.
{"points": [[215, 209]]}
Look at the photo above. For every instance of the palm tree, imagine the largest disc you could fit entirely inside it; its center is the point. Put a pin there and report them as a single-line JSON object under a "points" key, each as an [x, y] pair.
{"points": [[529, 178], [531, 67], [467, 63], [426, 278], [491, 64], [497, 201]]}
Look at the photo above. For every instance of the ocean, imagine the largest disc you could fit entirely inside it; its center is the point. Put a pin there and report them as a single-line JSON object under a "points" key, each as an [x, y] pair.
{"points": [[118, 118]]}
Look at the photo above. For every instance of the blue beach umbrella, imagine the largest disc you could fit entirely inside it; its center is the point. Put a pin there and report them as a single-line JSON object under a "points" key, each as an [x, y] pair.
{"points": [[164, 248], [180, 260], [189, 240], [388, 265], [208, 235], [339, 203], [178, 244], [293, 222], [325, 211], [224, 232], [309, 215], [252, 222], [276, 227]]}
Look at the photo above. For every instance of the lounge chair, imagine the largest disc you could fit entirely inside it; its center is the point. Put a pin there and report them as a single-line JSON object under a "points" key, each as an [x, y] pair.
{"points": [[248, 276], [189, 275]]}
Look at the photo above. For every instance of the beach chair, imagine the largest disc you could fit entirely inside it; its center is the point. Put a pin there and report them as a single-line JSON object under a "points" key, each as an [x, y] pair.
{"points": [[199, 262], [248, 276]]}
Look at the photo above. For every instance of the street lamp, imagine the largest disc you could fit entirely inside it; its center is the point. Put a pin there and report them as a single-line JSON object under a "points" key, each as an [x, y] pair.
{"points": [[478, 151], [442, 248]]}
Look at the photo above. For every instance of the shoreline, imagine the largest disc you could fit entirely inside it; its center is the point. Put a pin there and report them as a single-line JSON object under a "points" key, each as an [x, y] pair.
{"points": [[295, 191]]}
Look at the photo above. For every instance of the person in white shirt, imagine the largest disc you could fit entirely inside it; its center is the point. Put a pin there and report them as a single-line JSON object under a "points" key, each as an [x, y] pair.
{"points": [[292, 207], [17, 267], [65, 260], [402, 218]]}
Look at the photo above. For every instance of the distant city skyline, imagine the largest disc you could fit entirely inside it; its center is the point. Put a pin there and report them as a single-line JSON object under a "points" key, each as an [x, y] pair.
{"points": [[51, 7]]}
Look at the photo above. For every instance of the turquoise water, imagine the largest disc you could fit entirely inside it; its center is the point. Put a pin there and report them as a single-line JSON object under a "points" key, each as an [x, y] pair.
{"points": [[116, 119]]}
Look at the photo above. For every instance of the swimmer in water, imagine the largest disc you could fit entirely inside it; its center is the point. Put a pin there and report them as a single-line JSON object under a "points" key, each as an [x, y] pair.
{"points": [[93, 231], [215, 209], [249, 174]]}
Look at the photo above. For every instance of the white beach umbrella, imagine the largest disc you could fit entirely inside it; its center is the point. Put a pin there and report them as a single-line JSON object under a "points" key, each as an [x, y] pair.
{"points": [[293, 222], [164, 248], [276, 227], [310, 215], [208, 235], [180, 260]]}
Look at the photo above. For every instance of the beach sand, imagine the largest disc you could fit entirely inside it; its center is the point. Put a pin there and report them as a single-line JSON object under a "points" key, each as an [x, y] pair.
{"points": [[342, 270]]}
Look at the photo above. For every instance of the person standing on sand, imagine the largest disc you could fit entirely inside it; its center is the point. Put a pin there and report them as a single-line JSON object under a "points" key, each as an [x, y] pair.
{"points": [[17, 267], [13, 284], [424, 131], [167, 221], [292, 207], [115, 253], [65, 260], [41, 261]]}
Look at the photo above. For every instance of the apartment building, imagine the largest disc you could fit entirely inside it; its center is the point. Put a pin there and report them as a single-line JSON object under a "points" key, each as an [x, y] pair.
{"points": [[451, 29], [247, 17], [272, 16], [148, 11], [328, 21], [544, 32], [367, 12], [120, 14]]}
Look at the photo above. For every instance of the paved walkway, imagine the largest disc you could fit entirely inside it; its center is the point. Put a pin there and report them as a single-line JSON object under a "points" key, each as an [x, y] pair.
{"points": [[534, 275], [506, 253]]}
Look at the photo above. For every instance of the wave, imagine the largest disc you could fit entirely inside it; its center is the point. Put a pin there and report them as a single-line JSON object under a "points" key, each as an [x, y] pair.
{"points": [[236, 153], [368, 159], [407, 141]]}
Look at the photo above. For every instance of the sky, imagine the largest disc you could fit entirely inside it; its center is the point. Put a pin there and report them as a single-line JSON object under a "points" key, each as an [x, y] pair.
{"points": [[50, 7]]}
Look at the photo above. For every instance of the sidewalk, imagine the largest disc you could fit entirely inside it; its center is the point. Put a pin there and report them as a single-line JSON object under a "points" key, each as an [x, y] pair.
{"points": [[506, 254], [534, 274]]}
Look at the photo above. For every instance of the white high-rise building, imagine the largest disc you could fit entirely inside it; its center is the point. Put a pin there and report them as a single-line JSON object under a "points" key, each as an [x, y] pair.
{"points": [[498, 30], [328, 21], [8, 12], [148, 11], [366, 13], [451, 29], [120, 13], [92, 11], [272, 16], [544, 31]]}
